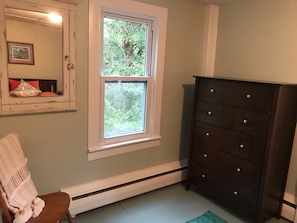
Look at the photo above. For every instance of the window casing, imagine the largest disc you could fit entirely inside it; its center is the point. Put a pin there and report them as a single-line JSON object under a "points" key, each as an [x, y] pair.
{"points": [[99, 144]]}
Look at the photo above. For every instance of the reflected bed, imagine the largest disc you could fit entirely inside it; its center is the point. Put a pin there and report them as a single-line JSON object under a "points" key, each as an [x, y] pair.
{"points": [[19, 87]]}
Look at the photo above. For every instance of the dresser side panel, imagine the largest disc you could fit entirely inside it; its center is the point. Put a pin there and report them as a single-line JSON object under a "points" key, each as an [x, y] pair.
{"points": [[278, 152]]}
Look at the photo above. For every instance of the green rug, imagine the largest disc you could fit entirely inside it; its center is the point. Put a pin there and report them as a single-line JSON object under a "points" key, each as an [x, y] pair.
{"points": [[208, 217]]}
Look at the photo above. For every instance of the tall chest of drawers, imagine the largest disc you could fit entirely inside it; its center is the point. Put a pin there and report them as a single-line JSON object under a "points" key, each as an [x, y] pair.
{"points": [[241, 142]]}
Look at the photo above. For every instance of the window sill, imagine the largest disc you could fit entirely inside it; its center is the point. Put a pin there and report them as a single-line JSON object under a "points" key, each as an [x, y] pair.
{"points": [[120, 148], [38, 111]]}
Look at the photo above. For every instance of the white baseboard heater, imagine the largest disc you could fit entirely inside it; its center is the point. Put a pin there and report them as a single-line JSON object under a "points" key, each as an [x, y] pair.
{"points": [[99, 193]]}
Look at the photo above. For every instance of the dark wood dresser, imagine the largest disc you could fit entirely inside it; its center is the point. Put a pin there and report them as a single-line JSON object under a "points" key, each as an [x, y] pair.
{"points": [[241, 141]]}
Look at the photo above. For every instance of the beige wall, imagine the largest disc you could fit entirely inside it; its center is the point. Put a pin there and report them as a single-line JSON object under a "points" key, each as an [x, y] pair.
{"points": [[257, 39], [56, 144]]}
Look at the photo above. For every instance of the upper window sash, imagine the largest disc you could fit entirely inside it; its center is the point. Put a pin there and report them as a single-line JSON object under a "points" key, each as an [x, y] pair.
{"points": [[113, 14]]}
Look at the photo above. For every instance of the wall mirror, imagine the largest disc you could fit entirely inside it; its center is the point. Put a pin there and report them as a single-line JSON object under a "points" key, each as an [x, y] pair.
{"points": [[37, 56]]}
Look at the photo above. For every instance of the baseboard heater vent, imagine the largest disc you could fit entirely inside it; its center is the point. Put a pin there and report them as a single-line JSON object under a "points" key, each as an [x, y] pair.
{"points": [[103, 192]]}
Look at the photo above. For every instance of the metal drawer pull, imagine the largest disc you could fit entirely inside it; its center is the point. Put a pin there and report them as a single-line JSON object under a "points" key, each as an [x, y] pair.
{"points": [[245, 121], [235, 192], [238, 169], [212, 90], [248, 96], [205, 155], [209, 113], [203, 175], [207, 134], [241, 146]]}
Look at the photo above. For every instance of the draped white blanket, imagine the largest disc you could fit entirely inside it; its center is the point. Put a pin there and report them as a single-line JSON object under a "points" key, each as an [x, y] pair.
{"points": [[17, 187]]}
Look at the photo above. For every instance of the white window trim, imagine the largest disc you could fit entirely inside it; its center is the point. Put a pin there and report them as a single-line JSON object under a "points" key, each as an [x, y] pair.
{"points": [[159, 15]]}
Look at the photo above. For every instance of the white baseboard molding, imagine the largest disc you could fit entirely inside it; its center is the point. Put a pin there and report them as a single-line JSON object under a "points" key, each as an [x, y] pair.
{"points": [[102, 192], [99, 193], [288, 212]]}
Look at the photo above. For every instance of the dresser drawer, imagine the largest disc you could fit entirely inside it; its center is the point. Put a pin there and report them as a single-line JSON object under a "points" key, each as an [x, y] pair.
{"points": [[240, 170], [237, 119], [236, 196], [207, 181], [230, 166], [254, 96], [206, 156], [244, 146], [239, 197]]}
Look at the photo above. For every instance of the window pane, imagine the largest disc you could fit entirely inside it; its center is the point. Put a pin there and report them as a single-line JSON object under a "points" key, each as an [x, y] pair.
{"points": [[124, 47], [124, 108]]}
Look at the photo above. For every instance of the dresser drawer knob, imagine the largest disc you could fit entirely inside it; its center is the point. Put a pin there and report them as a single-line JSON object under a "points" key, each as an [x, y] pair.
{"points": [[241, 146], [205, 155], [245, 121], [209, 113], [212, 90], [207, 134], [248, 96], [203, 176], [235, 193], [238, 169]]}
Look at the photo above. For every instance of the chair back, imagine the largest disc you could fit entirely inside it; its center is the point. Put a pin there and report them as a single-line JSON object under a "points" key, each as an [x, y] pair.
{"points": [[6, 215], [17, 189]]}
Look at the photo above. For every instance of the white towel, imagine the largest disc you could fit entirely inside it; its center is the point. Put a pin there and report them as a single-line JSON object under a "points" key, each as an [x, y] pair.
{"points": [[17, 187]]}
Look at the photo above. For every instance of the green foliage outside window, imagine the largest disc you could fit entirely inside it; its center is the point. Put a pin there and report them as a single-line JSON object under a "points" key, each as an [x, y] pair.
{"points": [[124, 52], [124, 48], [123, 111]]}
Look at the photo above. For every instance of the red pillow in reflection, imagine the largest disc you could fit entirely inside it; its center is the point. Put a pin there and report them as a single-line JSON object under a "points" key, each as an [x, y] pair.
{"points": [[13, 84], [47, 94]]}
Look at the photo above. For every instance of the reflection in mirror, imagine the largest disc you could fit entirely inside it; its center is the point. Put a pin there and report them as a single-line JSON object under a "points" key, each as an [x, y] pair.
{"points": [[32, 47], [35, 45]]}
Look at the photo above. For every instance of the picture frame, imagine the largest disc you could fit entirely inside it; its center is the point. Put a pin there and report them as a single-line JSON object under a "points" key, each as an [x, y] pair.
{"points": [[20, 53]]}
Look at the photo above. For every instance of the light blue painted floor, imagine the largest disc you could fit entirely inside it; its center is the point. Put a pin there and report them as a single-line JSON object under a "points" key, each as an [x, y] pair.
{"points": [[172, 204]]}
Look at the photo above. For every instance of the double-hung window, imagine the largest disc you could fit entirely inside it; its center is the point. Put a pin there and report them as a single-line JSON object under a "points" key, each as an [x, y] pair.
{"points": [[126, 62]]}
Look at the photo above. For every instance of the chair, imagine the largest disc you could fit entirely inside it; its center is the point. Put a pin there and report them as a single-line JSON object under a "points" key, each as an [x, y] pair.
{"points": [[55, 210], [56, 204]]}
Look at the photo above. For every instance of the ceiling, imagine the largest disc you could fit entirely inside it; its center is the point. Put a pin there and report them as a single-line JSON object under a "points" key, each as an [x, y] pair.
{"points": [[37, 17], [29, 15]]}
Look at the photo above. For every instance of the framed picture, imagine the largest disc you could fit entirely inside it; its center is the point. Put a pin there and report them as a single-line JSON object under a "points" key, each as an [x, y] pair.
{"points": [[20, 53]]}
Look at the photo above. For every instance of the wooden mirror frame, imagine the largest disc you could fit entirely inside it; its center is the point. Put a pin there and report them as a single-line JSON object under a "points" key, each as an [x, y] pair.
{"points": [[26, 105]]}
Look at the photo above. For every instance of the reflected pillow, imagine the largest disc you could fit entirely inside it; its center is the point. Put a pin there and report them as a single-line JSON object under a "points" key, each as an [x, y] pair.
{"points": [[13, 84], [25, 90], [48, 94], [34, 84]]}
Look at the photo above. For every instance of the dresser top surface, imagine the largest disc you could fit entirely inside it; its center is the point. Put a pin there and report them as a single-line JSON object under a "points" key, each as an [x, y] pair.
{"points": [[246, 80]]}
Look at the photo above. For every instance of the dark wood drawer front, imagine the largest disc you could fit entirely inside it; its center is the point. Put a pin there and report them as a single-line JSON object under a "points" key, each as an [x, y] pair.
{"points": [[240, 170], [206, 156], [247, 147], [233, 167], [254, 96], [241, 198], [206, 180], [236, 196], [242, 120]]}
